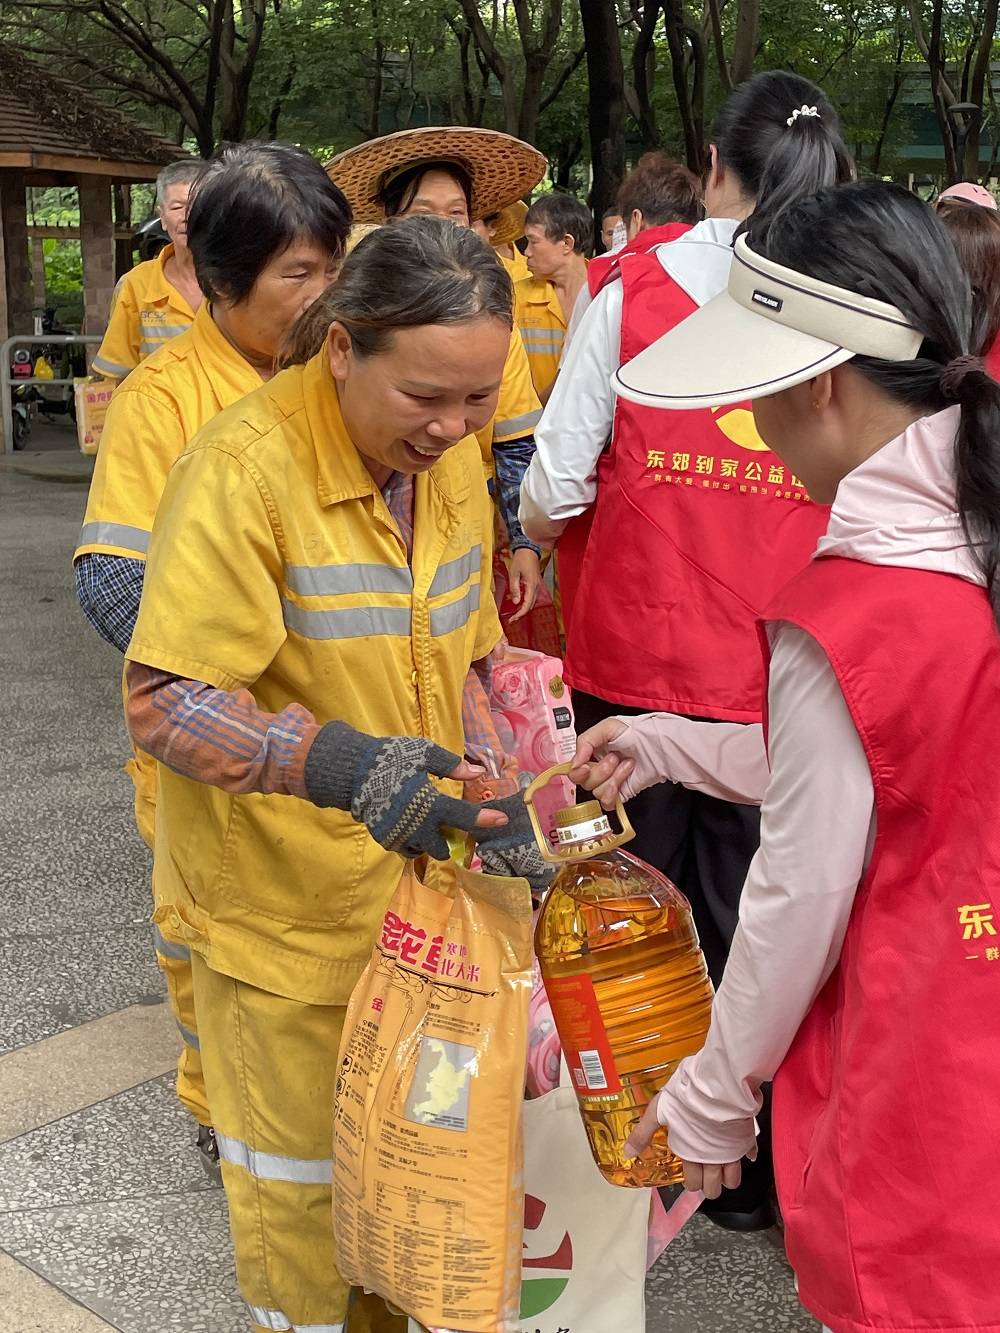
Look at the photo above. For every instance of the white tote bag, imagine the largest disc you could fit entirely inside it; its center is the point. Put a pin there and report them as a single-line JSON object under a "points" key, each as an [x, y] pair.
{"points": [[584, 1263]]}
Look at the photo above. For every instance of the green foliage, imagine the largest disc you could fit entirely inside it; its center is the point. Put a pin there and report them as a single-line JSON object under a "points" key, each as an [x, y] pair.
{"points": [[63, 268], [329, 73]]}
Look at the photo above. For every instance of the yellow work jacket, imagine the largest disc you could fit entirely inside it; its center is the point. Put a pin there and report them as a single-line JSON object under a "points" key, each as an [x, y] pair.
{"points": [[539, 317], [276, 566], [518, 408], [146, 312], [516, 267], [150, 420]]}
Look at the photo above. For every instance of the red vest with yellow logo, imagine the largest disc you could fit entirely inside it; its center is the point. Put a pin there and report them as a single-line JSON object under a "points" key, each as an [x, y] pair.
{"points": [[887, 1105], [602, 269], [696, 526]]}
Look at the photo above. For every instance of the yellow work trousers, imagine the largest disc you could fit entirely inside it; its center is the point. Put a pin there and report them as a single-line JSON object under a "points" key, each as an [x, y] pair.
{"points": [[270, 1069], [173, 956]]}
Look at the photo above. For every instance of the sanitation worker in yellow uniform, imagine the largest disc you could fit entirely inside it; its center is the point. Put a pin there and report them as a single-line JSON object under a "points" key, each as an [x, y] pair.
{"points": [[464, 174], [267, 230], [156, 300], [314, 634]]}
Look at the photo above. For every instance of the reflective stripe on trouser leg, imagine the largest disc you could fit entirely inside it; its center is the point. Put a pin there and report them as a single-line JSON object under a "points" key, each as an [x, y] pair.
{"points": [[175, 964], [270, 1066]]}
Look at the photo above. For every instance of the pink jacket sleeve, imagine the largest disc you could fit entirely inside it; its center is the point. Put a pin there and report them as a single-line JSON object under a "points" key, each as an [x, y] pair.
{"points": [[817, 829], [727, 760]]}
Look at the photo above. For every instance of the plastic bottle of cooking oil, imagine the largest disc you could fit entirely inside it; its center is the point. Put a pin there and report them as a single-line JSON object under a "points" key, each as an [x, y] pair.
{"points": [[626, 980]]}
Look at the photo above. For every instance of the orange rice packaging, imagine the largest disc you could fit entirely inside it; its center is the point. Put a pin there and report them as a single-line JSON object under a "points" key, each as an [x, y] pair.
{"points": [[428, 1155]]}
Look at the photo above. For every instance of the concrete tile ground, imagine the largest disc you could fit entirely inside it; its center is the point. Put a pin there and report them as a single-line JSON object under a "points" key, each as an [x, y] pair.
{"points": [[106, 1221]]}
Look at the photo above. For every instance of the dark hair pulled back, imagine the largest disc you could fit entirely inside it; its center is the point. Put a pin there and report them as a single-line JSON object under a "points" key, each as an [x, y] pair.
{"points": [[423, 270], [881, 241], [775, 161], [249, 203]]}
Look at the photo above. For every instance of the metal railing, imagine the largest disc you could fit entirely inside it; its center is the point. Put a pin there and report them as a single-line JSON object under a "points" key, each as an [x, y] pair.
{"points": [[7, 383]]}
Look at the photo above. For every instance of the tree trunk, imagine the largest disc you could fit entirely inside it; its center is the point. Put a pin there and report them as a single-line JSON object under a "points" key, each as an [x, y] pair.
{"points": [[643, 74], [673, 15], [934, 55], [535, 66], [977, 86], [745, 40], [605, 103], [378, 56], [893, 97]]}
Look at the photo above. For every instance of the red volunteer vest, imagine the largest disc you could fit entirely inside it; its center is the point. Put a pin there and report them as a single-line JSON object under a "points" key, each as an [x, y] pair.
{"points": [[887, 1106], [573, 542], [695, 527], [603, 268], [992, 360]]}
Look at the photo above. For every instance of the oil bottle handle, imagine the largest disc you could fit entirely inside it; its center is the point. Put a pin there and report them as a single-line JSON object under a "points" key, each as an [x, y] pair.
{"points": [[561, 857]]}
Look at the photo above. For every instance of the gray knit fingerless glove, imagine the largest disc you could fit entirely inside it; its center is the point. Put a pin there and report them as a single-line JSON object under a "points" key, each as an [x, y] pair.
{"points": [[512, 850], [383, 781]]}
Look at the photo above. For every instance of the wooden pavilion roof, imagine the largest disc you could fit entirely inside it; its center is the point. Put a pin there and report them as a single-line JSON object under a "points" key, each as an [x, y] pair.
{"points": [[50, 124]]}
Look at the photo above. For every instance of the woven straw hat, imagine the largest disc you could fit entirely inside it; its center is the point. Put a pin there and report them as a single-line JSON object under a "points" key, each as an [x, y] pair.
{"points": [[510, 224], [501, 167], [358, 233]]}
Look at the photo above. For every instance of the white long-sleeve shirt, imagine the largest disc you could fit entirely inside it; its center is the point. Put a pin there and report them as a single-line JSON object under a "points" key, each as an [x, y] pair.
{"points": [[576, 425], [816, 796]]}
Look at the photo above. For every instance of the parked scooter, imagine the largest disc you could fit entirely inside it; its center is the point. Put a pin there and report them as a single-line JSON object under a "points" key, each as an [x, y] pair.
{"points": [[22, 396]]}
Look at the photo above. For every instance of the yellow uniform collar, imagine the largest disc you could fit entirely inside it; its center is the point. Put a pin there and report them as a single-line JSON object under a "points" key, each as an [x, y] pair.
{"points": [[161, 288]]}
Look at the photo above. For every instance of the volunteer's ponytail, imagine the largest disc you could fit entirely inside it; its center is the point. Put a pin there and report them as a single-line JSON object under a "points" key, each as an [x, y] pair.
{"points": [[882, 241], [780, 136]]}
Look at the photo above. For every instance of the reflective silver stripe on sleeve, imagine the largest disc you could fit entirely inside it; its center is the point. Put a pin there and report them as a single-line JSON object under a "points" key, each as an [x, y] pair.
{"points": [[355, 622], [517, 425], [190, 1038], [114, 534], [445, 619], [454, 573], [148, 348], [330, 580], [280, 1323], [553, 344], [110, 368], [168, 949], [271, 1166], [162, 331]]}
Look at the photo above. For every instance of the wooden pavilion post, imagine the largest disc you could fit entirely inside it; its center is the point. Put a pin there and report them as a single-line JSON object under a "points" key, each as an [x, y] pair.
{"points": [[17, 270], [97, 246]]}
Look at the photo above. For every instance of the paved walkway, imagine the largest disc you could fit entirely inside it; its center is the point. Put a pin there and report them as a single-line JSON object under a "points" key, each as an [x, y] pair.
{"points": [[106, 1219]]}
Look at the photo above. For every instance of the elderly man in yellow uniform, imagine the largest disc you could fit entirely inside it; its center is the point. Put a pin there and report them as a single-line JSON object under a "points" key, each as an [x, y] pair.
{"points": [[293, 224], [156, 300], [559, 229], [464, 174]]}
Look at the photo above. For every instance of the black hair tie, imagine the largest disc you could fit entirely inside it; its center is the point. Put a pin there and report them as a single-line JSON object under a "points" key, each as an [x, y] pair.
{"points": [[956, 373]]}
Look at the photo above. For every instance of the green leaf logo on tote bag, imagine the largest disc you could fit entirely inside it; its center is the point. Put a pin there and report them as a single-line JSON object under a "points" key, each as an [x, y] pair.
{"points": [[540, 1293]]}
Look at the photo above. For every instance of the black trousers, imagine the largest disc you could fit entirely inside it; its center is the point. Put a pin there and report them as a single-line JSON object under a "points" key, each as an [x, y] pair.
{"points": [[705, 846]]}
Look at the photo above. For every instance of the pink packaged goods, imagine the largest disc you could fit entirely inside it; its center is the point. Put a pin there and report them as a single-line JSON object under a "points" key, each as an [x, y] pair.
{"points": [[533, 714]]}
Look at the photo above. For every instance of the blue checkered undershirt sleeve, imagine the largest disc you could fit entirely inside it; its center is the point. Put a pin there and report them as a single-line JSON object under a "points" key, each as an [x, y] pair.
{"points": [[109, 589]]}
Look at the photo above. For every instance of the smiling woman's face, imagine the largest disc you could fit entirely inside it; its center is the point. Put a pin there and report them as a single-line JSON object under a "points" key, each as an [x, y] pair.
{"points": [[427, 389]]}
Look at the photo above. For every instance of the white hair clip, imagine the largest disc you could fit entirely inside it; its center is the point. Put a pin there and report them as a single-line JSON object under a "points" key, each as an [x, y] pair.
{"points": [[803, 111]]}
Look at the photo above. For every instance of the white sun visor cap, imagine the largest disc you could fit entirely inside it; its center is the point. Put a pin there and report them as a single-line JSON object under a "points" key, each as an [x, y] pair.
{"points": [[773, 328]]}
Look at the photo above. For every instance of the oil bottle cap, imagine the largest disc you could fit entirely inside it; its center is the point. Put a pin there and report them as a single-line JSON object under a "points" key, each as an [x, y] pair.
{"points": [[581, 823]]}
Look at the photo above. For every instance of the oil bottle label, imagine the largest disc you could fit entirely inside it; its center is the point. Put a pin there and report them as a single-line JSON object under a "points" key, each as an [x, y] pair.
{"points": [[583, 1035]]}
